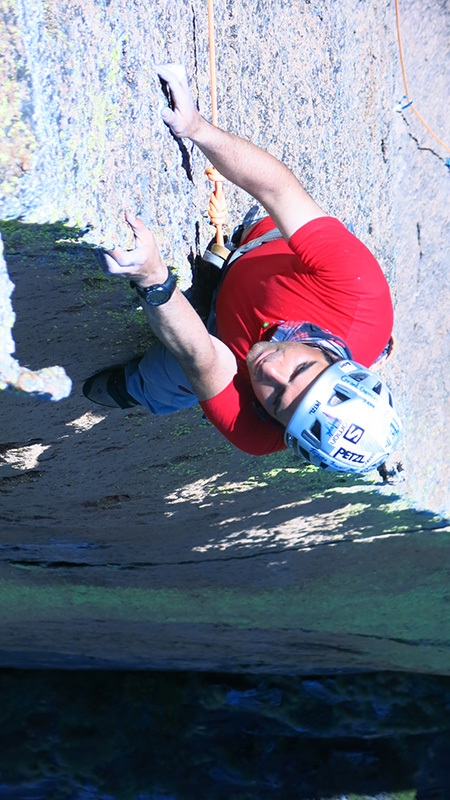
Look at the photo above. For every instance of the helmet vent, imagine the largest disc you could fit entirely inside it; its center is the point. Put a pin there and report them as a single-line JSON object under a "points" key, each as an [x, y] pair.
{"points": [[316, 430], [358, 376], [337, 397], [391, 402], [377, 388]]}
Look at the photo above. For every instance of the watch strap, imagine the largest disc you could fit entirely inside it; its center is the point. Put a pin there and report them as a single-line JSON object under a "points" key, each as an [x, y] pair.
{"points": [[158, 293]]}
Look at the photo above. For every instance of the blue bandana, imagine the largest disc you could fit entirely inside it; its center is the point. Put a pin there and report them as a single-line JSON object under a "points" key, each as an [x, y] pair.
{"points": [[308, 333]]}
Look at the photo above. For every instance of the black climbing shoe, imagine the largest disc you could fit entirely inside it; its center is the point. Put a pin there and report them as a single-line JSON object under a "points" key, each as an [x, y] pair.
{"points": [[108, 388]]}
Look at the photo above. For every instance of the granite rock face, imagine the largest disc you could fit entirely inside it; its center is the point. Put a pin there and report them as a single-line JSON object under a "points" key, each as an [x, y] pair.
{"points": [[86, 109], [319, 85]]}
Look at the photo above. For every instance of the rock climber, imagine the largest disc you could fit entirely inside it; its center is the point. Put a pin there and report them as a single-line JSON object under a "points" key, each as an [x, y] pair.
{"points": [[302, 312]]}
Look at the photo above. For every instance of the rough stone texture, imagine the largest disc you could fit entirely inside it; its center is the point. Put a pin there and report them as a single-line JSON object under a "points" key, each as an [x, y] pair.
{"points": [[316, 84], [420, 182]]}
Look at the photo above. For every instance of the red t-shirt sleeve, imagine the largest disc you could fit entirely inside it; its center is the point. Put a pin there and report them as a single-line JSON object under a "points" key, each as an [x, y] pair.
{"points": [[235, 414], [350, 283], [327, 248]]}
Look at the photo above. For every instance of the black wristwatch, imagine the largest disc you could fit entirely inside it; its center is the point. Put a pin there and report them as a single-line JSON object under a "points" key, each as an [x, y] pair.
{"points": [[158, 294]]}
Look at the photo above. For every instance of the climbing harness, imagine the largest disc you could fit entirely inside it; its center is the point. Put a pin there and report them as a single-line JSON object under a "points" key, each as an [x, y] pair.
{"points": [[225, 263], [269, 236]]}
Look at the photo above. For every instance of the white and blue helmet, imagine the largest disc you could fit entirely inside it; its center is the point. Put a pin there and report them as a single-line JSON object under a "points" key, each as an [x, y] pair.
{"points": [[346, 422]]}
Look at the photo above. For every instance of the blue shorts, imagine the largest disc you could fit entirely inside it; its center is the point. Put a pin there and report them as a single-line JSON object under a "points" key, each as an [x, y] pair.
{"points": [[158, 382]]}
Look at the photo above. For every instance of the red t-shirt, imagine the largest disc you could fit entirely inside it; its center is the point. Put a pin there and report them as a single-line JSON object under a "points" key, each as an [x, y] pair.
{"points": [[325, 276]]}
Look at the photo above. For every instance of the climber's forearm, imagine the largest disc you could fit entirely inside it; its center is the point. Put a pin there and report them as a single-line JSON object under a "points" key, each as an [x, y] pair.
{"points": [[259, 174], [244, 164], [208, 363], [241, 162]]}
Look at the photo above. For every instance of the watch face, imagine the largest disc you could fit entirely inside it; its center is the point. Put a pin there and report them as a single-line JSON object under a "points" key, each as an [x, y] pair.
{"points": [[160, 294], [157, 295]]}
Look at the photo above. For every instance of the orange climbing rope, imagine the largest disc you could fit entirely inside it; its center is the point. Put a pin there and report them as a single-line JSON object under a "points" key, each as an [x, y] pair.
{"points": [[217, 210], [409, 101]]}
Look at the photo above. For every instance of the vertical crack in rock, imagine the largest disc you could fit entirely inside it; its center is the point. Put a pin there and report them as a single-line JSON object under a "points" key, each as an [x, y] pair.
{"points": [[185, 157], [419, 239], [195, 50], [419, 147]]}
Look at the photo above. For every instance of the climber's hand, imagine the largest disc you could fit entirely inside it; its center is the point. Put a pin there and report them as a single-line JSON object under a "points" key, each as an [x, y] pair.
{"points": [[183, 118], [143, 264]]}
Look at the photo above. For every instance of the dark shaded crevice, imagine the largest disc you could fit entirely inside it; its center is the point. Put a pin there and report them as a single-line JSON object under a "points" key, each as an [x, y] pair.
{"points": [[419, 147], [195, 53], [185, 157]]}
